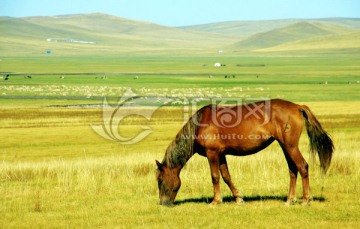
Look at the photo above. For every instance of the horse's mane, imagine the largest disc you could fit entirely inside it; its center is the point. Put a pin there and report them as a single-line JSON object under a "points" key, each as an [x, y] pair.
{"points": [[181, 148]]}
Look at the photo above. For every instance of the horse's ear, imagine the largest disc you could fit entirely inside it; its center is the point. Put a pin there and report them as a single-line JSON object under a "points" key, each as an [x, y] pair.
{"points": [[159, 165]]}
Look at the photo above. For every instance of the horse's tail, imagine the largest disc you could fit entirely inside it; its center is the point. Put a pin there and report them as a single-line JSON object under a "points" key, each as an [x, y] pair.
{"points": [[320, 141]]}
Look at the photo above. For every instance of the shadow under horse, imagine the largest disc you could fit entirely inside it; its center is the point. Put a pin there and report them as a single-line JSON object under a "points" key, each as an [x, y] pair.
{"points": [[229, 199]]}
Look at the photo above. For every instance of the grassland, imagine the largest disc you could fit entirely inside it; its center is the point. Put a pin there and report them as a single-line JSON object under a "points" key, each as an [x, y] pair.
{"points": [[56, 172], [314, 78]]}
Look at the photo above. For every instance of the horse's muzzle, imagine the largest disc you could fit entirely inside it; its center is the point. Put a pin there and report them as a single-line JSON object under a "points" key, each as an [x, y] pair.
{"points": [[165, 202]]}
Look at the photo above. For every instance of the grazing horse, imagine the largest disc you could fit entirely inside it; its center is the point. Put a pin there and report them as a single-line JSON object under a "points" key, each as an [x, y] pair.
{"points": [[216, 131]]}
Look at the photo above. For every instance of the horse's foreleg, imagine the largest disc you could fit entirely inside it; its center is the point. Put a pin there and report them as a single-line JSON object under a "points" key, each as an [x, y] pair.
{"points": [[213, 158], [227, 178]]}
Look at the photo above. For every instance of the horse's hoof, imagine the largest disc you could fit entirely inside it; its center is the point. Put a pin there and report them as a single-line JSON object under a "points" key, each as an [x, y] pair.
{"points": [[306, 202], [290, 202], [215, 202], [239, 194], [240, 201]]}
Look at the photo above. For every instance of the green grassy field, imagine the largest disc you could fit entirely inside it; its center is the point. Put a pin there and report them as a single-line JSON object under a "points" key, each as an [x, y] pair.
{"points": [[56, 172]]}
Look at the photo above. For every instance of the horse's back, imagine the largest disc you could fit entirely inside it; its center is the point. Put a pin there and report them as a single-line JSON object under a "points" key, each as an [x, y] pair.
{"points": [[285, 111], [241, 130]]}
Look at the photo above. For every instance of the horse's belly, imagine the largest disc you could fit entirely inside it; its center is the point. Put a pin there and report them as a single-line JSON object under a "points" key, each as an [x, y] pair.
{"points": [[248, 147]]}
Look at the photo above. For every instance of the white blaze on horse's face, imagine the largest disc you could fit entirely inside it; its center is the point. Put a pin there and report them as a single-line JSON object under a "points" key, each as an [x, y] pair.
{"points": [[168, 183]]}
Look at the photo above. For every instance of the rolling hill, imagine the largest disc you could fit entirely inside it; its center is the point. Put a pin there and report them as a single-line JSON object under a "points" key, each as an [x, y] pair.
{"points": [[249, 28], [331, 42], [110, 35], [295, 32], [241, 28], [101, 34]]}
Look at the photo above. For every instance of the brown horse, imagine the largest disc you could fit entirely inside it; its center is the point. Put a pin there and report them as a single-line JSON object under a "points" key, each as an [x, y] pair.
{"points": [[216, 131]]}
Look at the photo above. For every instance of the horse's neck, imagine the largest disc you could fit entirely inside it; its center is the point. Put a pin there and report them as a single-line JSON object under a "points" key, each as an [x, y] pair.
{"points": [[176, 155], [181, 148]]}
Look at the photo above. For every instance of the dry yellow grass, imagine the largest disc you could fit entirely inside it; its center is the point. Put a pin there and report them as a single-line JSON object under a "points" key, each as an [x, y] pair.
{"points": [[66, 176]]}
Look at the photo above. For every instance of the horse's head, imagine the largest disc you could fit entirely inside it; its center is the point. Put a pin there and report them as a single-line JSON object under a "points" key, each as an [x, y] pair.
{"points": [[168, 182]]}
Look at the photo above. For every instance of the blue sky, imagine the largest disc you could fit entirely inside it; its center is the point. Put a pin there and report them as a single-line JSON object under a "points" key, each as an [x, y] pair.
{"points": [[186, 12]]}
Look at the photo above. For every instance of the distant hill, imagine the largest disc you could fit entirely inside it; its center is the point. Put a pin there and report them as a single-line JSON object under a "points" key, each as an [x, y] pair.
{"points": [[97, 34], [111, 35], [248, 28], [16, 27], [241, 28], [353, 23], [331, 42], [295, 32]]}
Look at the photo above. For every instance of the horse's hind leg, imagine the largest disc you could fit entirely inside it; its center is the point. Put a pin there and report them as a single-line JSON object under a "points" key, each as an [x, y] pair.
{"points": [[291, 198], [227, 178], [296, 163]]}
